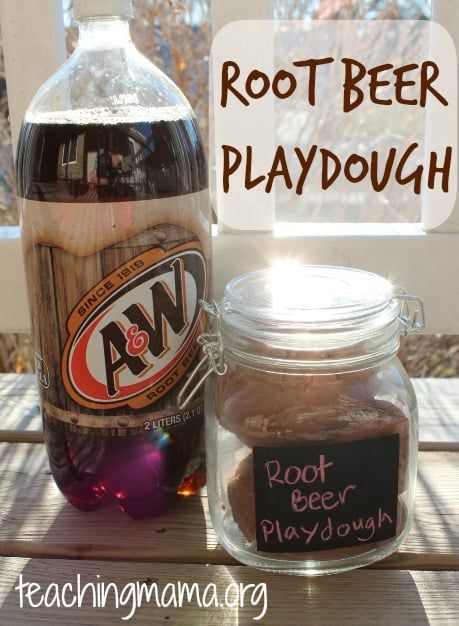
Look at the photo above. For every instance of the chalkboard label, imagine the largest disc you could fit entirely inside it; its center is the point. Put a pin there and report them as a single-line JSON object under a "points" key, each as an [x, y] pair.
{"points": [[326, 496]]}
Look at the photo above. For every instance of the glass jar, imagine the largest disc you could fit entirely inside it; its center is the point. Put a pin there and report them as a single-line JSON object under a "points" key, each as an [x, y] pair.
{"points": [[311, 420]]}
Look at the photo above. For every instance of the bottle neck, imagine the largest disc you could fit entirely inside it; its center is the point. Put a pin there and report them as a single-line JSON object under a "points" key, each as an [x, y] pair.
{"points": [[110, 32]]}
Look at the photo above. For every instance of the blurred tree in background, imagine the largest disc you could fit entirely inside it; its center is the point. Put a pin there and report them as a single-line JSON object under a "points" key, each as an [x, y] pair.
{"points": [[176, 35], [353, 9]]}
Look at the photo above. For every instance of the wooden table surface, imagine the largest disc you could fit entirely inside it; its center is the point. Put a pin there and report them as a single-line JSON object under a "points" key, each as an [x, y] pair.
{"points": [[46, 540]]}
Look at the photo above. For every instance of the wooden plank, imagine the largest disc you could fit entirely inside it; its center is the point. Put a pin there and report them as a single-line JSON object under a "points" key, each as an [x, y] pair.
{"points": [[390, 252], [36, 520], [444, 12], [438, 401], [14, 384], [20, 418], [33, 40], [424, 446], [360, 597]]}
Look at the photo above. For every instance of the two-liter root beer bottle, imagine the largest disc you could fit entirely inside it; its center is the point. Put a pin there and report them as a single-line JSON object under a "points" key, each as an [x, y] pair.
{"points": [[112, 181]]}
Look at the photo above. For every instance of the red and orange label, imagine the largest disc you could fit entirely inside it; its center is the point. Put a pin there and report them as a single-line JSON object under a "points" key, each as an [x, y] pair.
{"points": [[133, 336]]}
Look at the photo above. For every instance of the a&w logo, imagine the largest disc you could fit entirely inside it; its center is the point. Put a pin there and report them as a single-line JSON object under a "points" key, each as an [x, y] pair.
{"points": [[133, 336]]}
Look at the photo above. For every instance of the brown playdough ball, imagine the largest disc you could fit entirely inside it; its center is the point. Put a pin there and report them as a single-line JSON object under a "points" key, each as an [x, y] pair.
{"points": [[292, 409], [241, 497]]}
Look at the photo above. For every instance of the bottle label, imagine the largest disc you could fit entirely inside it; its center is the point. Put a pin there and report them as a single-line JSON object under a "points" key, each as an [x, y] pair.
{"points": [[132, 337], [324, 496], [114, 289]]}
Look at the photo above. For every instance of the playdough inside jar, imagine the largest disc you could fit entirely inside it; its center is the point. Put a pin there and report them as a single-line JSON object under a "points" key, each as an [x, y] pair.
{"points": [[311, 432]]}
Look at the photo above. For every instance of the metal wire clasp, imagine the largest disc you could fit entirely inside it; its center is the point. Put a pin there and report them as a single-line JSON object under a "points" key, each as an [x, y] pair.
{"points": [[412, 318], [213, 355]]}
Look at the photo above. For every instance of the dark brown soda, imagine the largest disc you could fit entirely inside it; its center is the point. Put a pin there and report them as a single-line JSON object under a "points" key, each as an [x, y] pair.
{"points": [[95, 162]]}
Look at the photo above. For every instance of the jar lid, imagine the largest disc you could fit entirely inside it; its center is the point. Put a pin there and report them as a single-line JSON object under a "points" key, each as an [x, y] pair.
{"points": [[308, 294], [315, 316]]}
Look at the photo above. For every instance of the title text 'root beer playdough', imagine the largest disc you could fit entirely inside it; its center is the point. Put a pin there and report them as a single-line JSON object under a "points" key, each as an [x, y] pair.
{"points": [[311, 422], [115, 214]]}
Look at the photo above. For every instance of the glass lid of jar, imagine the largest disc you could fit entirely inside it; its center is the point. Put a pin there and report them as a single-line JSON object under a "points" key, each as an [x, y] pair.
{"points": [[319, 318], [305, 295]]}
